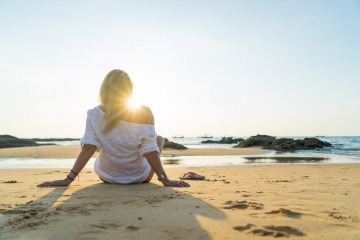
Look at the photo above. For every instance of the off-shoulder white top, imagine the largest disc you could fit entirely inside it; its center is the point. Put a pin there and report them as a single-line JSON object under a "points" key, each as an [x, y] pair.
{"points": [[121, 158]]}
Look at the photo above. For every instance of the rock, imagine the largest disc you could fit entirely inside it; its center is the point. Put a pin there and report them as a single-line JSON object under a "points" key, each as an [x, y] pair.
{"points": [[258, 140], [173, 145], [8, 141], [286, 144], [283, 144], [315, 143], [224, 140]]}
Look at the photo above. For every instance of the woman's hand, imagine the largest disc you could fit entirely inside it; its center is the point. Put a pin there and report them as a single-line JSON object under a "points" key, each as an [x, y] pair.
{"points": [[56, 183], [170, 183]]}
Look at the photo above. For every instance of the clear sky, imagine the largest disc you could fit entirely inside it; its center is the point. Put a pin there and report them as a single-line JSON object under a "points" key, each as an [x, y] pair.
{"points": [[234, 68]]}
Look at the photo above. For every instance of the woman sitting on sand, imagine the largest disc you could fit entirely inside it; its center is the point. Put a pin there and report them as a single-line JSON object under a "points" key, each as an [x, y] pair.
{"points": [[126, 138]]}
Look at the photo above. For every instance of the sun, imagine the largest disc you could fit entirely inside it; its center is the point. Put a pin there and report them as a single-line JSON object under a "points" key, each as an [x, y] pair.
{"points": [[134, 102]]}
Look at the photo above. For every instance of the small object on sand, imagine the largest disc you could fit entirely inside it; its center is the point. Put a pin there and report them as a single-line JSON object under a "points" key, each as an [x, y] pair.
{"points": [[192, 176], [11, 181]]}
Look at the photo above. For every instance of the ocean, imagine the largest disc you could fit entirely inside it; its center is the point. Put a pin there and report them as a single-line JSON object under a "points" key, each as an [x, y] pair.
{"points": [[344, 149], [341, 145]]}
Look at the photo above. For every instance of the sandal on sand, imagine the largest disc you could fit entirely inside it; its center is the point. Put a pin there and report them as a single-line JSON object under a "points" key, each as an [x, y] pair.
{"points": [[192, 176]]}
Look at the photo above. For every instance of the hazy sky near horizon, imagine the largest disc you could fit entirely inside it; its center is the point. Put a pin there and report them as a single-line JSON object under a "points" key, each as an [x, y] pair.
{"points": [[234, 68]]}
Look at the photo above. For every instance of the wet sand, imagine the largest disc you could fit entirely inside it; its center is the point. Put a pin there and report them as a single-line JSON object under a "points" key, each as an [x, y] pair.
{"points": [[242, 202], [55, 151]]}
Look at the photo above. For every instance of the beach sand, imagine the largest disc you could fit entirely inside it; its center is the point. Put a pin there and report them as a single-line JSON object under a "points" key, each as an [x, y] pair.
{"points": [[242, 202]]}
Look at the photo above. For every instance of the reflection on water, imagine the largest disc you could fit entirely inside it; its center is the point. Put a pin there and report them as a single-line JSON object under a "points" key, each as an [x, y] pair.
{"points": [[353, 149], [167, 155], [191, 161], [285, 159], [171, 162]]}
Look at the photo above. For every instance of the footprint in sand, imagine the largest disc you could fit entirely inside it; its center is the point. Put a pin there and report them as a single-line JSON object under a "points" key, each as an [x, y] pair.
{"points": [[26, 221], [29, 216], [32, 210], [106, 225], [11, 181], [283, 212], [246, 195], [243, 205], [271, 230], [354, 218], [29, 207], [280, 181], [337, 215], [246, 227], [76, 209], [133, 228], [161, 198]]}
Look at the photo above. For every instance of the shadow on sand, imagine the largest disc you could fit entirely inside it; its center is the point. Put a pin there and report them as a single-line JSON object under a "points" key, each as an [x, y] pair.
{"points": [[109, 211]]}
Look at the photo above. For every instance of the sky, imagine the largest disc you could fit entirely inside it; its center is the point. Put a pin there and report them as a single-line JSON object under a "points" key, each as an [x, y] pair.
{"points": [[222, 68]]}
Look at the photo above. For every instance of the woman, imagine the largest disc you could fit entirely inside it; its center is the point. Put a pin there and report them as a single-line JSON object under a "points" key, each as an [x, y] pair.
{"points": [[126, 138]]}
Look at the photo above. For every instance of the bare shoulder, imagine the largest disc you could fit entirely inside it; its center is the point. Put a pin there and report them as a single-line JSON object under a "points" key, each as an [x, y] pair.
{"points": [[143, 115], [147, 114]]}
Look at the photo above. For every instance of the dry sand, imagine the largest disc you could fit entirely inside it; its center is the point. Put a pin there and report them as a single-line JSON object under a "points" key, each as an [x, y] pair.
{"points": [[73, 151], [243, 202]]}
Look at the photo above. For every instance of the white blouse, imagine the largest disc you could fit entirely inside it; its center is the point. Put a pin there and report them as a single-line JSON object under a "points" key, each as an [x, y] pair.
{"points": [[121, 158]]}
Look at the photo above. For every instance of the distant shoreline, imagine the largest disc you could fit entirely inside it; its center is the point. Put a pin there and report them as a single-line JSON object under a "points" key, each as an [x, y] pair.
{"points": [[54, 139]]}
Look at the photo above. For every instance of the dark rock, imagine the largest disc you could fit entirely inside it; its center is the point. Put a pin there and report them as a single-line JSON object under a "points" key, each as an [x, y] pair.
{"points": [[209, 141], [8, 141], [286, 144], [224, 140], [315, 143], [258, 140], [283, 144], [173, 145]]}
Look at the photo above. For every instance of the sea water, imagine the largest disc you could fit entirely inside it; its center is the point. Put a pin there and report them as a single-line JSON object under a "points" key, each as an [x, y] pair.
{"points": [[341, 145], [345, 150]]}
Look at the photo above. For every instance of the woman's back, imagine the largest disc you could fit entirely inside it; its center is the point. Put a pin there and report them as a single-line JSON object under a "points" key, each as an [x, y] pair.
{"points": [[121, 158]]}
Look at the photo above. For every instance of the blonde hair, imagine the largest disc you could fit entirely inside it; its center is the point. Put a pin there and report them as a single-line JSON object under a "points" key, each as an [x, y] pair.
{"points": [[115, 91]]}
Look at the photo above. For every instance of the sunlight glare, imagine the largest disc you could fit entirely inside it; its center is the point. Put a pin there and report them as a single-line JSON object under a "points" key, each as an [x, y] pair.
{"points": [[133, 102]]}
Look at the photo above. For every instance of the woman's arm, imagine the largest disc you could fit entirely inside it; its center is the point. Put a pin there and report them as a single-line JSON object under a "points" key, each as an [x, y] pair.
{"points": [[155, 163], [153, 157], [86, 152]]}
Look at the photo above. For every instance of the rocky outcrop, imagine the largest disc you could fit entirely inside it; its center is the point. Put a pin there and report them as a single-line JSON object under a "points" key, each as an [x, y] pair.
{"points": [[258, 140], [8, 141], [224, 140], [173, 145], [283, 144]]}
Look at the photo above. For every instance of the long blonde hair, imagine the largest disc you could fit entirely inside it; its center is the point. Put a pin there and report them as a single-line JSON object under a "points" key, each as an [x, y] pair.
{"points": [[115, 91]]}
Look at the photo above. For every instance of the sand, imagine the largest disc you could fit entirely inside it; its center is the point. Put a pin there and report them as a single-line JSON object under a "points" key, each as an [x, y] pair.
{"points": [[242, 202], [55, 151]]}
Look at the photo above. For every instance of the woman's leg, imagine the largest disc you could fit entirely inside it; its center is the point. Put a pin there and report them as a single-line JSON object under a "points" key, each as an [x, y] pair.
{"points": [[160, 142]]}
